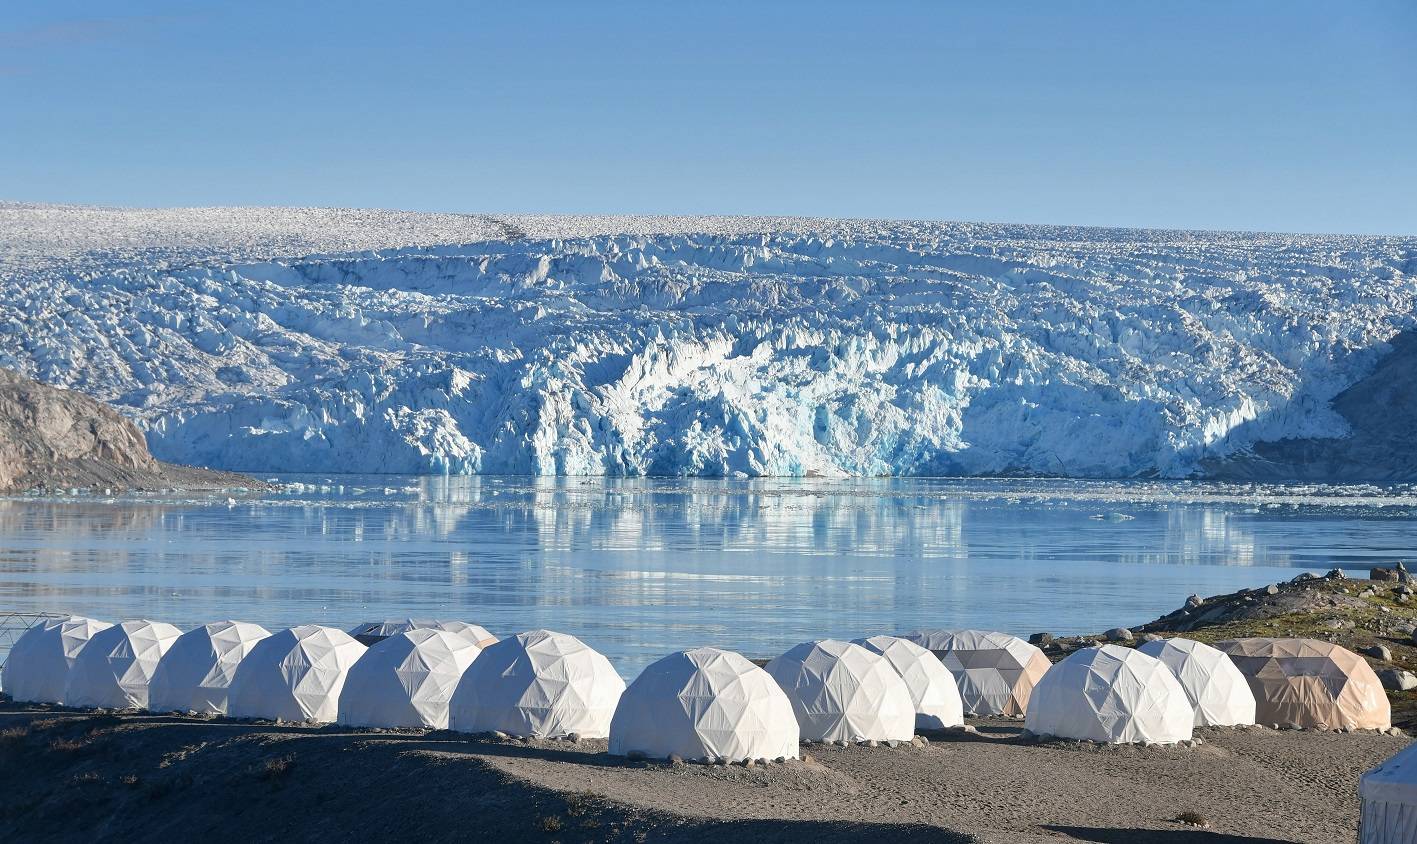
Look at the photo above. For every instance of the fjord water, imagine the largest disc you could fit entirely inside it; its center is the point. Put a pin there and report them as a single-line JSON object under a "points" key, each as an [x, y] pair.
{"points": [[639, 568]]}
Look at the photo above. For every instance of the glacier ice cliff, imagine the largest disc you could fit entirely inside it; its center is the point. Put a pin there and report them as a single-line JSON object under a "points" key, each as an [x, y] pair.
{"points": [[325, 341]]}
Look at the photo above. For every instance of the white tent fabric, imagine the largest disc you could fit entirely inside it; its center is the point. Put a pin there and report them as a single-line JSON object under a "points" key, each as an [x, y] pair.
{"points": [[539, 683], [195, 674], [113, 670], [1389, 795], [294, 675], [996, 672], [704, 704], [37, 668], [1111, 694], [933, 690], [1219, 694], [406, 680], [843, 692], [376, 631]]}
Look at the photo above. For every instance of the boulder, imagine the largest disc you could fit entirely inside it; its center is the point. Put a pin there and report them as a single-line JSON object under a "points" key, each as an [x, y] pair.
{"points": [[1119, 634], [1272, 589], [1397, 679], [1040, 639], [1379, 652], [1194, 601], [1380, 573]]}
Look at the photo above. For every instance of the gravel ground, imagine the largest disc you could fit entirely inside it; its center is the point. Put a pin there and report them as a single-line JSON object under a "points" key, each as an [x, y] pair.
{"points": [[71, 776]]}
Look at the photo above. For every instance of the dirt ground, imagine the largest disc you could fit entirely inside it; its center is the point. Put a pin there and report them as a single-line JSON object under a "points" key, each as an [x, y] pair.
{"points": [[77, 776]]}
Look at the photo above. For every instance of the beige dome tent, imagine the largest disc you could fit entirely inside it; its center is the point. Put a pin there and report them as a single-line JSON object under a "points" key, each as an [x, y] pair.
{"points": [[1310, 683], [996, 672], [1389, 795]]}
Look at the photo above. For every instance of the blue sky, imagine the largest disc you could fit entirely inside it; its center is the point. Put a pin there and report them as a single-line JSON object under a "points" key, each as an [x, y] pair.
{"points": [[1292, 116]]}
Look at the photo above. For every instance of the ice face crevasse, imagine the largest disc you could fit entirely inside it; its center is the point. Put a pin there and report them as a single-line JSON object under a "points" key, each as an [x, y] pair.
{"points": [[700, 346]]}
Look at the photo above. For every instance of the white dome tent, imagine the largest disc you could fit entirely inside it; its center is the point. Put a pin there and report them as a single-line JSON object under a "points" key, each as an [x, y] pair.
{"points": [[294, 675], [38, 666], [113, 670], [996, 672], [539, 683], [933, 690], [195, 674], [843, 692], [704, 704], [406, 680], [1219, 694], [1113, 695], [1389, 795], [372, 632]]}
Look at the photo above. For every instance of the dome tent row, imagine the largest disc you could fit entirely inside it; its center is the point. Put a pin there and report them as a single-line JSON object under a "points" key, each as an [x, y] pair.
{"points": [[294, 675]]}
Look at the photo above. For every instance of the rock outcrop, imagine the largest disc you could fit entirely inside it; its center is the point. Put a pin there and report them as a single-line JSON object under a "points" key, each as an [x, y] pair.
{"points": [[52, 438]]}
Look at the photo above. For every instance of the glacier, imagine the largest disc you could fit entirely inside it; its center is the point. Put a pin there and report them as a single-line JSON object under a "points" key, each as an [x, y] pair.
{"points": [[333, 341]]}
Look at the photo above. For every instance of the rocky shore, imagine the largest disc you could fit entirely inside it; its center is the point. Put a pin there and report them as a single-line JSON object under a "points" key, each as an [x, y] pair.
{"points": [[1375, 617], [53, 439]]}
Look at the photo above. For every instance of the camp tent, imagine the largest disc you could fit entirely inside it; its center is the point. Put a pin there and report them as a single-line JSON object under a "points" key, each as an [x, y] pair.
{"points": [[377, 631], [1310, 683], [37, 668], [1111, 694], [406, 680], [1389, 795], [195, 673], [294, 675], [704, 704], [996, 672], [1219, 694], [843, 692], [539, 683], [933, 690], [113, 670]]}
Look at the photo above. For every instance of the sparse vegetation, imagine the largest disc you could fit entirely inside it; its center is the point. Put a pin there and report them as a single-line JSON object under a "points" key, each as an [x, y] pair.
{"points": [[276, 768], [1193, 818], [549, 823]]}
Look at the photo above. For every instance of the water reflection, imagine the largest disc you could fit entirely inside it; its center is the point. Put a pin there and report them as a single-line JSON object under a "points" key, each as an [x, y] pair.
{"points": [[639, 568]]}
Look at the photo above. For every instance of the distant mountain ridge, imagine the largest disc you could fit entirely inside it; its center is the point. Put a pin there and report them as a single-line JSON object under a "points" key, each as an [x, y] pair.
{"points": [[329, 340]]}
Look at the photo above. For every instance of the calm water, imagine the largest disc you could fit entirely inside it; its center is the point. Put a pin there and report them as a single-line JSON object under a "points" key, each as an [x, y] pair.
{"points": [[639, 568]]}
